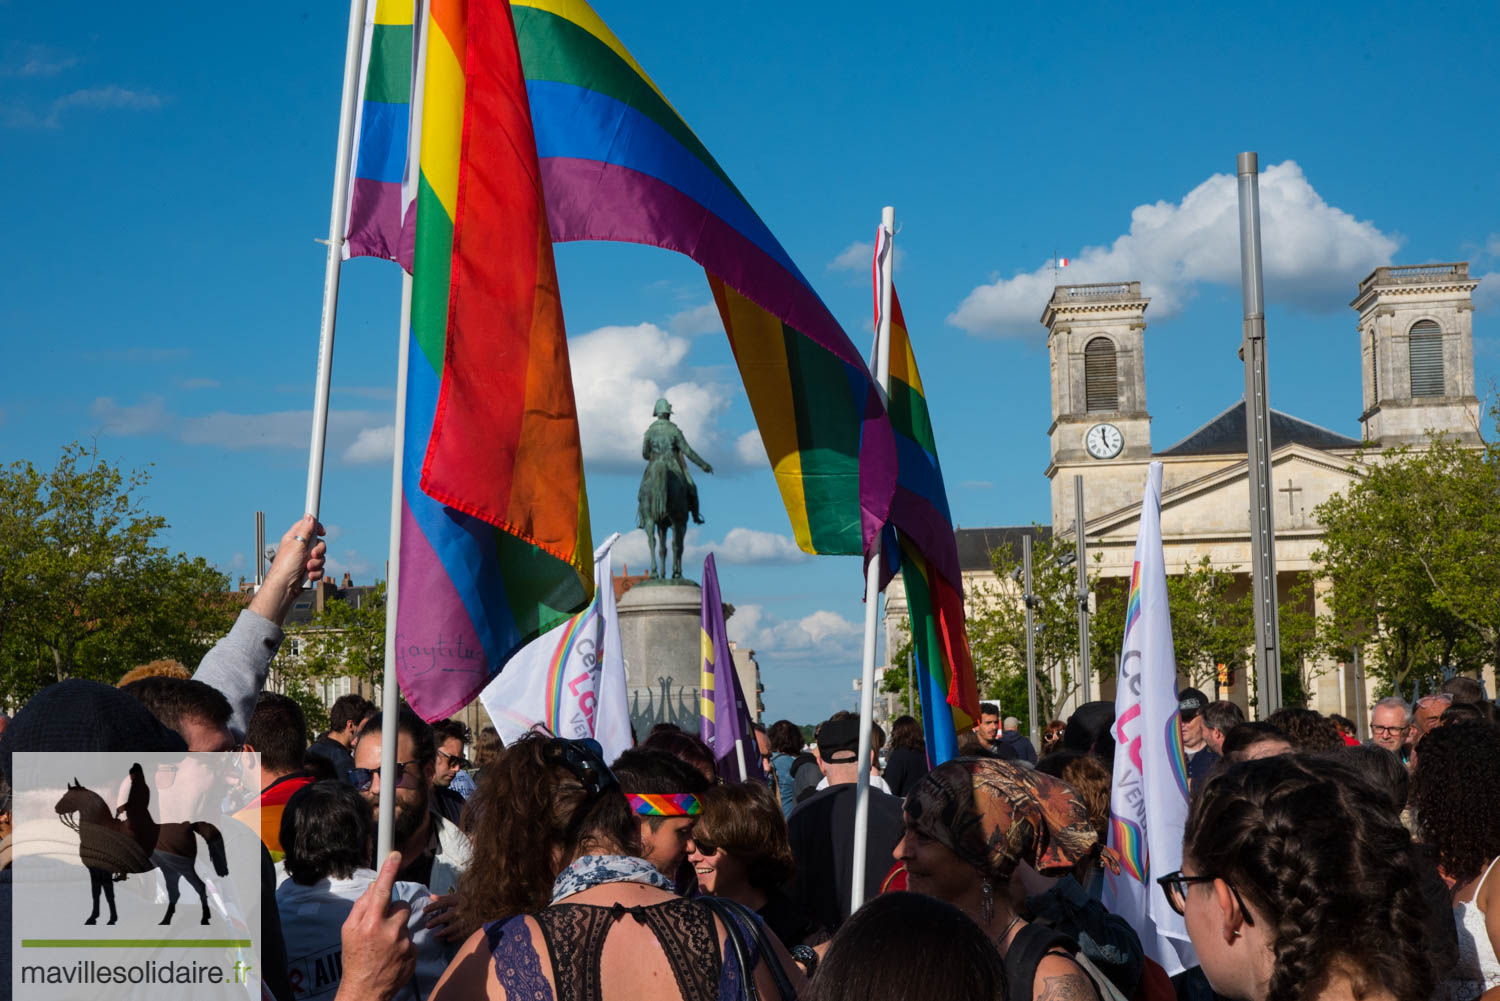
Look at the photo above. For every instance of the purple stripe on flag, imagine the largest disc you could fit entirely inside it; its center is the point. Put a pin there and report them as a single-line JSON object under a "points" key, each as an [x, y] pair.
{"points": [[376, 227], [589, 200], [438, 658]]}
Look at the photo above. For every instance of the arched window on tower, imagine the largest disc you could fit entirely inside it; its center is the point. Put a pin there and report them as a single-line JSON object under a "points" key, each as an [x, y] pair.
{"points": [[1101, 384], [1425, 350]]}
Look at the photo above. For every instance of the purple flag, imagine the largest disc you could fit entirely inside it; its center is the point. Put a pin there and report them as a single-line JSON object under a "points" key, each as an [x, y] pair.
{"points": [[725, 726]]}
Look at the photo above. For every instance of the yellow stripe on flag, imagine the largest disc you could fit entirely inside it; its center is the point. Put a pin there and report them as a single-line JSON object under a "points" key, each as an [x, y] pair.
{"points": [[442, 118]]}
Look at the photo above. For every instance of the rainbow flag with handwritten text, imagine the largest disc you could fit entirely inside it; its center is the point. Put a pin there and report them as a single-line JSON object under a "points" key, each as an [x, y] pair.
{"points": [[619, 163], [495, 540]]}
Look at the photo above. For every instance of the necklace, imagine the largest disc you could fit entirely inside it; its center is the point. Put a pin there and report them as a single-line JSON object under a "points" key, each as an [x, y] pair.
{"points": [[1013, 922]]}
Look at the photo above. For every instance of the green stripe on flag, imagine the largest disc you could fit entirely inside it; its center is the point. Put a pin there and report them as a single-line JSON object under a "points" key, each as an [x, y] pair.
{"points": [[388, 79], [828, 429], [430, 275], [909, 415]]}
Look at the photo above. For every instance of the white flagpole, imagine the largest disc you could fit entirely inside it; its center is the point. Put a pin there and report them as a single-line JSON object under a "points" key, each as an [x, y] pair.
{"points": [[390, 693], [337, 219], [739, 753], [872, 591]]}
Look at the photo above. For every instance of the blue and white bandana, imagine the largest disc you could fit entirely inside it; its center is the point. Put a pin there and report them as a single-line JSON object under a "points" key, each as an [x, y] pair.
{"points": [[596, 870]]}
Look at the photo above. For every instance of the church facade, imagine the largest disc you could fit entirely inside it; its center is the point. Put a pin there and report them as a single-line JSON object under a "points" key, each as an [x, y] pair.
{"points": [[1415, 350]]}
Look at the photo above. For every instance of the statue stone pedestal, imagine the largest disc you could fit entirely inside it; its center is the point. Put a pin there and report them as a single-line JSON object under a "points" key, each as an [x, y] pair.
{"points": [[660, 630]]}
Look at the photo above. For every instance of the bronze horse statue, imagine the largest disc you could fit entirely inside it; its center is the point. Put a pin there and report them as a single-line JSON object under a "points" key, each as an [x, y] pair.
{"points": [[112, 848], [668, 495]]}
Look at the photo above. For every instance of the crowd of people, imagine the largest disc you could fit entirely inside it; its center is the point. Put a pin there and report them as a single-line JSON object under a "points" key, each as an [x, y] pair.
{"points": [[1314, 866]]}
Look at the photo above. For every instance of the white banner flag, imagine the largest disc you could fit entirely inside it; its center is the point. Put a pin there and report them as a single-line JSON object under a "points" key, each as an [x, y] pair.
{"points": [[1148, 801], [571, 679]]}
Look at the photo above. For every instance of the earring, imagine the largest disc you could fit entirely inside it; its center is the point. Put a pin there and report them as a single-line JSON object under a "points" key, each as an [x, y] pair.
{"points": [[987, 901]]}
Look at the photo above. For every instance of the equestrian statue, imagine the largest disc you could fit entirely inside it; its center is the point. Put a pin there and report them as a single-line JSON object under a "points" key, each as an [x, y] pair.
{"points": [[668, 495]]}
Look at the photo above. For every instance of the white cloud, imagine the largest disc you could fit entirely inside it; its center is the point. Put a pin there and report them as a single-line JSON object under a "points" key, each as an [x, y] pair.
{"points": [[859, 256], [824, 633], [618, 375], [238, 562], [331, 533], [1487, 295], [105, 98], [749, 449], [1313, 254], [699, 320], [739, 547], [359, 569], [35, 61], [372, 445], [284, 429]]}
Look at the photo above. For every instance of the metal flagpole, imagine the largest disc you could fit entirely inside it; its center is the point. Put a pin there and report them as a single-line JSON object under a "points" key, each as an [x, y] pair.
{"points": [[872, 590], [338, 216], [390, 692], [1258, 444], [1081, 558], [1030, 599]]}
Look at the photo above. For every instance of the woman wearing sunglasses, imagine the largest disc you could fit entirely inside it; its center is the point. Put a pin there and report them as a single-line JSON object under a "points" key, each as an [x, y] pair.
{"points": [[1297, 884], [565, 907], [740, 850]]}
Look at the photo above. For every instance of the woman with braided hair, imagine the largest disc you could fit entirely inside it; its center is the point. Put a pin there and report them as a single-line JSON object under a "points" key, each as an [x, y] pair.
{"points": [[1456, 806], [1297, 884]]}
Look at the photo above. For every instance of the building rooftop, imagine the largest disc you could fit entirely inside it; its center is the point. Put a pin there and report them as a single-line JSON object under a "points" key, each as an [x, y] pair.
{"points": [[976, 544], [1225, 435]]}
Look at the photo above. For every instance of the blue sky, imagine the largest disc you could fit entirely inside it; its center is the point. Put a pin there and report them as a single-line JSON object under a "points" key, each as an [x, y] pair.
{"points": [[169, 176]]}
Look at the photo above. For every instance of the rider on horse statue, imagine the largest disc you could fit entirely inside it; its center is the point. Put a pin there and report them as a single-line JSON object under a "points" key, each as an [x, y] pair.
{"points": [[668, 495]]}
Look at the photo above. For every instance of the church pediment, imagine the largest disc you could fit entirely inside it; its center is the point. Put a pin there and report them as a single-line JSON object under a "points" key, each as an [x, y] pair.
{"points": [[1216, 504]]}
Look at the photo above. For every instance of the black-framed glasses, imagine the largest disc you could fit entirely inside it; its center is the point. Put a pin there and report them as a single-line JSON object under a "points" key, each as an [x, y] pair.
{"points": [[363, 778], [1175, 885], [456, 760], [1388, 731]]}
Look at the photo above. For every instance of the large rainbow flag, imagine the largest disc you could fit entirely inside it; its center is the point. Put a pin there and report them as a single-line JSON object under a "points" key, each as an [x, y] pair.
{"points": [[927, 551], [619, 163], [380, 223], [495, 541]]}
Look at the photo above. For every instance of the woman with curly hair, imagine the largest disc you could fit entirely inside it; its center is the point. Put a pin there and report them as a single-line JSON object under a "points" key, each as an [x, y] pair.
{"points": [[1455, 799], [565, 907], [1298, 884]]}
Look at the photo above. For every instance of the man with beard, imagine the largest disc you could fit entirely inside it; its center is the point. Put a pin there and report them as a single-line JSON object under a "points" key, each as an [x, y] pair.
{"points": [[434, 852]]}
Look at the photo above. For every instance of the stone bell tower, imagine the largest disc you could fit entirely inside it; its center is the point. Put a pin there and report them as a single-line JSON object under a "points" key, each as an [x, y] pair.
{"points": [[1100, 428], [1416, 344]]}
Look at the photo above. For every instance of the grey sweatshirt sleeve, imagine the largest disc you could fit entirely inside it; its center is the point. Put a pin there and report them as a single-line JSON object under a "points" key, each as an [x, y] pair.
{"points": [[238, 664]]}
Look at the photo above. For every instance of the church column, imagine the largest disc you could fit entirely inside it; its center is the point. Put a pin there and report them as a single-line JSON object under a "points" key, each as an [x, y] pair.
{"points": [[1334, 681]]}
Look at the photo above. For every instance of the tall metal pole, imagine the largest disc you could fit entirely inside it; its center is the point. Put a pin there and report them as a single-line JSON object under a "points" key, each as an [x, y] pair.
{"points": [[911, 682], [1036, 724], [343, 162], [872, 586], [1258, 444], [1081, 553]]}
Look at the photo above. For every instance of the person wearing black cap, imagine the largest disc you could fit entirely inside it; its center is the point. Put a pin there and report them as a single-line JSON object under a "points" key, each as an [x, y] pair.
{"points": [[821, 830], [1200, 757]]}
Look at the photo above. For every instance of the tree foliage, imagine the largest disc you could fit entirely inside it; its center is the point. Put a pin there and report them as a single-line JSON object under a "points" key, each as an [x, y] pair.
{"points": [[85, 590], [1412, 551]]}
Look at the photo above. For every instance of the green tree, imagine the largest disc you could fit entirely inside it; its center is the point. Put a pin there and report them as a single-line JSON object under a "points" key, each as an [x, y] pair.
{"points": [[1412, 551], [342, 640], [85, 591], [1208, 627]]}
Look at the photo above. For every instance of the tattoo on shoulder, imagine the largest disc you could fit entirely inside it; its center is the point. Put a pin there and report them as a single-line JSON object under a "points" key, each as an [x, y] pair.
{"points": [[1071, 987]]}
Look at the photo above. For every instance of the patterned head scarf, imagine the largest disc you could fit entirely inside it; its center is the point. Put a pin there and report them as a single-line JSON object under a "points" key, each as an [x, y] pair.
{"points": [[994, 814]]}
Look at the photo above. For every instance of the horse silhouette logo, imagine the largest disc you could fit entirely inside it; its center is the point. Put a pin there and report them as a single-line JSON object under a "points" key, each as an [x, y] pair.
{"points": [[112, 848]]}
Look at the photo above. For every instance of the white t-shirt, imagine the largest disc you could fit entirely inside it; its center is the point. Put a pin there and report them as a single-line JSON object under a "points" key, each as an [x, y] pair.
{"points": [[312, 918]]}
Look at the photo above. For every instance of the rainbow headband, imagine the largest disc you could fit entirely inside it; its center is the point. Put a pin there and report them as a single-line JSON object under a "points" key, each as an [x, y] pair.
{"points": [[665, 804]]}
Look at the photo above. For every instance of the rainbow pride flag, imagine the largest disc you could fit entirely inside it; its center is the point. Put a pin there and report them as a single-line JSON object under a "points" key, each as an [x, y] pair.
{"points": [[380, 222], [927, 552], [619, 163], [495, 540]]}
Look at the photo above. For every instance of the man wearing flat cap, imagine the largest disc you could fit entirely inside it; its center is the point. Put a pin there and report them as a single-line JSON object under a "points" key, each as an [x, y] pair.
{"points": [[821, 829]]}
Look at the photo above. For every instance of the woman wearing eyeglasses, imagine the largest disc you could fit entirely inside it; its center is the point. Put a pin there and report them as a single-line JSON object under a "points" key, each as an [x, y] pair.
{"points": [[566, 908], [1296, 883], [740, 850]]}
